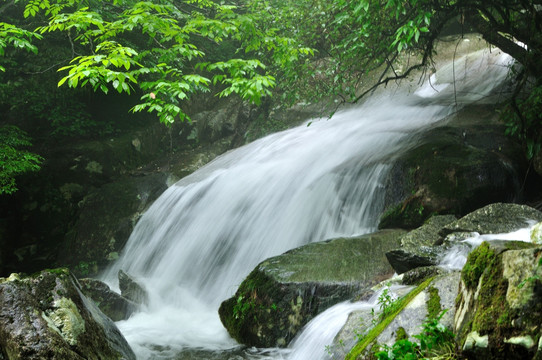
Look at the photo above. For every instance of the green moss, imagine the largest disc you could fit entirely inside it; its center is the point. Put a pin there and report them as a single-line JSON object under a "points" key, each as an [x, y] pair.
{"points": [[433, 303], [409, 214], [401, 334], [245, 310], [477, 262], [492, 303], [401, 303]]}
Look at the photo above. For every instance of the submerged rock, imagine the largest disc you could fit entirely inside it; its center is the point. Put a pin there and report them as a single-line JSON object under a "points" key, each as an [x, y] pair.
{"points": [[131, 289], [284, 292], [499, 307], [115, 306], [45, 316]]}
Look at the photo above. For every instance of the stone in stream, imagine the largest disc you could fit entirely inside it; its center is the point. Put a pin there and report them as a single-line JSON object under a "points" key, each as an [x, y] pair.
{"points": [[46, 316], [114, 305], [132, 289], [285, 292]]}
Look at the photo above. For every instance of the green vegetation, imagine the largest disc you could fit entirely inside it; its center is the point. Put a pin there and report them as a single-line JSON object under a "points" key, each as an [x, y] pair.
{"points": [[166, 53], [477, 262], [435, 341], [433, 303], [392, 311], [14, 159]]}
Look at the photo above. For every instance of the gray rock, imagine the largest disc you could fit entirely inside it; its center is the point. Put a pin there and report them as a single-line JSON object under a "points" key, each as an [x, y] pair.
{"points": [[494, 219], [114, 305], [418, 246], [131, 289], [441, 293], [426, 235], [401, 261], [45, 316], [283, 293]]}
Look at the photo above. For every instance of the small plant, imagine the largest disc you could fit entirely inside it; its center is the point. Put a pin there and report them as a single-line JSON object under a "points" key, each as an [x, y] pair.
{"points": [[434, 341], [242, 307]]}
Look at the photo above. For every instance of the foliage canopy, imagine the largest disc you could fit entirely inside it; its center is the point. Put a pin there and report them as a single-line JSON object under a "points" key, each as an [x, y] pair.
{"points": [[167, 51]]}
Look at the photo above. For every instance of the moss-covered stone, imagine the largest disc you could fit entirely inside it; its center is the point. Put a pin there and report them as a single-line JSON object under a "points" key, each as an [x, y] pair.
{"points": [[499, 301], [45, 316], [433, 303], [283, 293]]}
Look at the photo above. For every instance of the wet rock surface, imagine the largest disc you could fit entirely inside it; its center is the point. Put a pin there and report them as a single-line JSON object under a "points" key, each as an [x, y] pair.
{"points": [[285, 292], [455, 168], [112, 304], [45, 316], [499, 307]]}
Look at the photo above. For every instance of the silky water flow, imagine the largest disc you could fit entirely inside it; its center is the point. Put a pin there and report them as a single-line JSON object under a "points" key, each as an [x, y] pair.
{"points": [[196, 243]]}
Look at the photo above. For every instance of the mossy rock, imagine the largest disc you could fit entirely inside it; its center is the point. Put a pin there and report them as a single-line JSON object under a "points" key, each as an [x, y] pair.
{"points": [[283, 293], [499, 306], [454, 169], [45, 316]]}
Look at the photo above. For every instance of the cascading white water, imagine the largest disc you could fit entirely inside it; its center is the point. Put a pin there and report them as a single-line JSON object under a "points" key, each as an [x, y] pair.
{"points": [[198, 241]]}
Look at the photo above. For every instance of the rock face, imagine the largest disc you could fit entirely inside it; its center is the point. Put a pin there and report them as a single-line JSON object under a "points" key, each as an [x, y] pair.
{"points": [[45, 316], [97, 240], [499, 307], [114, 305], [454, 169], [131, 289], [283, 293]]}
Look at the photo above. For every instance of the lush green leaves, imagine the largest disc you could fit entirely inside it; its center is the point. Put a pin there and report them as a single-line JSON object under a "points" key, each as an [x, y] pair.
{"points": [[14, 160], [12, 36], [156, 47]]}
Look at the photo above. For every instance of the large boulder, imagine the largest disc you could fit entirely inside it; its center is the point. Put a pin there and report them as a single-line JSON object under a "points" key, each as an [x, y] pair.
{"points": [[499, 307], [454, 169], [45, 316], [283, 293]]}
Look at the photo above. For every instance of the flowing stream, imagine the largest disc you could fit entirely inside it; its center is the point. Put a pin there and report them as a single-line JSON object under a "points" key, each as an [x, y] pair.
{"points": [[198, 241]]}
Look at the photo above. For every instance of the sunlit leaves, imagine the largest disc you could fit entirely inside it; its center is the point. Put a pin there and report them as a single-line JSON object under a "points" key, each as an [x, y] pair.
{"points": [[109, 66], [242, 77], [12, 36], [168, 65]]}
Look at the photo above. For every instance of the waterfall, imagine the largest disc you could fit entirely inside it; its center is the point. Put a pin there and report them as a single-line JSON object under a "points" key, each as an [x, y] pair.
{"points": [[197, 242]]}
